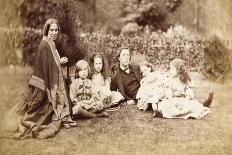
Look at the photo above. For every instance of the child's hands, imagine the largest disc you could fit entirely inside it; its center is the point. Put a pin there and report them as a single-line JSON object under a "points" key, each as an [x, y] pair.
{"points": [[107, 100]]}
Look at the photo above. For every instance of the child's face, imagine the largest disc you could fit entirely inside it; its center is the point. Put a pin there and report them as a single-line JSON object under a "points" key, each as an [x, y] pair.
{"points": [[98, 64], [83, 73], [173, 70], [145, 70]]}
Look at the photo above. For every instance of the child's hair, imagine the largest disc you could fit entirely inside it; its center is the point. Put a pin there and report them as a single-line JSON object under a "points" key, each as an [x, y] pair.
{"points": [[79, 66], [182, 72], [146, 63], [104, 70]]}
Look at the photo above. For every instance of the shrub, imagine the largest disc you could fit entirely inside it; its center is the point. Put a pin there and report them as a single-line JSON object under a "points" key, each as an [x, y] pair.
{"points": [[158, 48], [211, 58], [218, 58]]}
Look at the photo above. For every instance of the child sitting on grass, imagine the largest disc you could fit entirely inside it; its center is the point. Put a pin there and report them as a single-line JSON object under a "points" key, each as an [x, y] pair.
{"points": [[152, 86], [86, 102], [172, 96], [101, 81]]}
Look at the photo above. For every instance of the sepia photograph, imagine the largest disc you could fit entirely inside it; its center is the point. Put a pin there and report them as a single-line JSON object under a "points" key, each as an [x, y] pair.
{"points": [[115, 77]]}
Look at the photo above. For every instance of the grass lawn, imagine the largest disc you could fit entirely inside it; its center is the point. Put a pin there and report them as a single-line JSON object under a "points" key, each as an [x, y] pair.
{"points": [[128, 131]]}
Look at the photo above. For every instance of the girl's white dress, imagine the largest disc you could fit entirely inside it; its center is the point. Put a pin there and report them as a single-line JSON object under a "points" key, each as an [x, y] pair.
{"points": [[172, 98], [153, 88], [102, 88]]}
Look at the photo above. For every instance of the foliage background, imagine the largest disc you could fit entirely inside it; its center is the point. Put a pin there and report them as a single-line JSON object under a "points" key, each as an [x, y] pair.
{"points": [[150, 28]]}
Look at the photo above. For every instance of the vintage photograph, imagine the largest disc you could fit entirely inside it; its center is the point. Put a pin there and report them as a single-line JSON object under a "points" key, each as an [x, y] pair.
{"points": [[115, 77]]}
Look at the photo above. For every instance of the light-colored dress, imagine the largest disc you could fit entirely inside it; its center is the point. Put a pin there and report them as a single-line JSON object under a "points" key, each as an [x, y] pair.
{"points": [[153, 88], [102, 88], [182, 104], [82, 94]]}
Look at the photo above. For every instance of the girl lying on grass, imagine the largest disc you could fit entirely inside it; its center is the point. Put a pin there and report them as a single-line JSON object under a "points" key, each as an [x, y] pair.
{"points": [[170, 94]]}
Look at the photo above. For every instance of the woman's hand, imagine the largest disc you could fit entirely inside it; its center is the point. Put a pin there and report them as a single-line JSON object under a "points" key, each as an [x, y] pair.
{"points": [[63, 60]]}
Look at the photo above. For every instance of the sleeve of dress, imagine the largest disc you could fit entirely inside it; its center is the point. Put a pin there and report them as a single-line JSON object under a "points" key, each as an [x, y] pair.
{"points": [[94, 92], [178, 88], [107, 87], [94, 89], [189, 92]]}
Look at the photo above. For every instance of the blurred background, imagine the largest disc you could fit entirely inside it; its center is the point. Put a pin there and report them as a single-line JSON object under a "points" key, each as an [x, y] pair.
{"points": [[195, 30]]}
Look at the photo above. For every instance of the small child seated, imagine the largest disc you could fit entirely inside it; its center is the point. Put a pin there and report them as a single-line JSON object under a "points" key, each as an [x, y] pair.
{"points": [[153, 86], [86, 102], [101, 81], [170, 94]]}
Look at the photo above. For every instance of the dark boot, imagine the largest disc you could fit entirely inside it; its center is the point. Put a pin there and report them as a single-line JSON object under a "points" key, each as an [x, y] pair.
{"points": [[209, 100]]}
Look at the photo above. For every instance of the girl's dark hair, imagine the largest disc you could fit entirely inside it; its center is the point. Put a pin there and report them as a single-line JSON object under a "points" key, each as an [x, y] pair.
{"points": [[104, 71], [182, 72], [183, 75]]}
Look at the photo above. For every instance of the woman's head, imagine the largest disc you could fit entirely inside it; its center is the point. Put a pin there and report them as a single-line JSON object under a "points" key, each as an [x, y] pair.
{"points": [[82, 69], [145, 68], [177, 68], [98, 64], [51, 29]]}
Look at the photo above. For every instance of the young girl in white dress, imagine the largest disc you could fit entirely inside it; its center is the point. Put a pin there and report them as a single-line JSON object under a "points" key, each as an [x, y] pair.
{"points": [[176, 99], [83, 95], [101, 81], [153, 86]]}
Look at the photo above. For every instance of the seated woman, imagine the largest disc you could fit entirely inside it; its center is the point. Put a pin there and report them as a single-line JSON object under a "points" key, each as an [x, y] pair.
{"points": [[46, 106], [101, 81], [174, 96]]}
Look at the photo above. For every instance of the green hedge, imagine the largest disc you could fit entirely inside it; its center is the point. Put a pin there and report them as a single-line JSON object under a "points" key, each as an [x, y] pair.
{"points": [[210, 57], [158, 48]]}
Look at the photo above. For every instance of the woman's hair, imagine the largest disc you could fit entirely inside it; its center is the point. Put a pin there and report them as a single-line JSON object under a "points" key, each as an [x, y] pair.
{"points": [[104, 71], [146, 63], [182, 72], [79, 66], [48, 24]]}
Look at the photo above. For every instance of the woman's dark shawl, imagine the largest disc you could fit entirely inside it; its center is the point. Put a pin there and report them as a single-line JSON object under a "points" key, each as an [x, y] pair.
{"points": [[47, 76]]}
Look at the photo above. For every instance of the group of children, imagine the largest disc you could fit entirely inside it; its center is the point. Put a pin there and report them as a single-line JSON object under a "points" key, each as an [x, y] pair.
{"points": [[169, 94], [90, 90]]}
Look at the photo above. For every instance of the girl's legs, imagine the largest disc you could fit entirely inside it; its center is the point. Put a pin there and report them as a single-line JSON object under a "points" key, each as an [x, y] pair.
{"points": [[89, 114], [155, 107], [84, 113], [99, 113]]}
